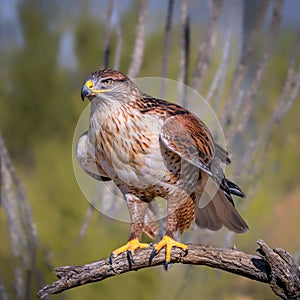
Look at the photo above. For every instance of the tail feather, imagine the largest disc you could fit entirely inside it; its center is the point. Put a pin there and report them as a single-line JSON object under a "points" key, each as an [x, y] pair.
{"points": [[228, 215], [219, 210], [206, 217]]}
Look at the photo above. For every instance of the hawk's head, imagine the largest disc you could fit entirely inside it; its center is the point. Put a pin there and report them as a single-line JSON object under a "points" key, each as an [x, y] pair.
{"points": [[108, 84]]}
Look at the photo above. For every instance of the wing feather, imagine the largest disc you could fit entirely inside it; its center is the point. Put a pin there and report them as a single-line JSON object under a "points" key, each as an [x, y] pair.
{"points": [[188, 137], [86, 158]]}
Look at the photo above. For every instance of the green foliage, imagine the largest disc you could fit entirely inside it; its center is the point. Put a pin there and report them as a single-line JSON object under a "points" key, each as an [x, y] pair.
{"points": [[37, 98]]}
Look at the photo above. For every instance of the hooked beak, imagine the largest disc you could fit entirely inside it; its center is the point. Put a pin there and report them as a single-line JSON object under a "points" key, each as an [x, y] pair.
{"points": [[85, 91]]}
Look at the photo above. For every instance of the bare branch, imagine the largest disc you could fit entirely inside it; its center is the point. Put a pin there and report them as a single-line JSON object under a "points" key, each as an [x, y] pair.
{"points": [[244, 62], [221, 72], [138, 51], [292, 83], [291, 86], [21, 227], [248, 101], [19, 287], [274, 267], [106, 52], [166, 49], [17, 202], [291, 70], [3, 293], [205, 51], [99, 192], [184, 50], [284, 272], [291, 100], [86, 220], [119, 43]]}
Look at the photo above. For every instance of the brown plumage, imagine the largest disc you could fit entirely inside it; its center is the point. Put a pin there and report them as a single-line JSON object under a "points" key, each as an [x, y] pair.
{"points": [[152, 148]]}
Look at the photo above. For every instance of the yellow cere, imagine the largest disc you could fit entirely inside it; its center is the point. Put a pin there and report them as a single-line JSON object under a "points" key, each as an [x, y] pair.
{"points": [[89, 84]]}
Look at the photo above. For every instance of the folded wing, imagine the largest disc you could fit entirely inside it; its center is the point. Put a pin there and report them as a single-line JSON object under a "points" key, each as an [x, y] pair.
{"points": [[188, 137], [86, 158]]}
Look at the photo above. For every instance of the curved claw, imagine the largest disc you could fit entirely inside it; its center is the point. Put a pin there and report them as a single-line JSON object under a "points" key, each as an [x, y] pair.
{"points": [[153, 252], [111, 258], [166, 265], [168, 243], [130, 247], [130, 257]]}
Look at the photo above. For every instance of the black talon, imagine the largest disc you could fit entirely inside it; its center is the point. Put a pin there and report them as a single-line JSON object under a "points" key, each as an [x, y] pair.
{"points": [[111, 258], [166, 265], [186, 251], [130, 258], [153, 252]]}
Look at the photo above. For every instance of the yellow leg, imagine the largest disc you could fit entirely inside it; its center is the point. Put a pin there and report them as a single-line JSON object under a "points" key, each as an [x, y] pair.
{"points": [[130, 247], [168, 243]]}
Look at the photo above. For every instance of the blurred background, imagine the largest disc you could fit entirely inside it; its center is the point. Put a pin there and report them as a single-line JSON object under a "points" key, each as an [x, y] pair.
{"points": [[242, 56]]}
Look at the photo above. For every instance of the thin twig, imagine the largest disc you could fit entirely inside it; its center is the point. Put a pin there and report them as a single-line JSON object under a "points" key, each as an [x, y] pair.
{"points": [[294, 85], [3, 293], [167, 38], [166, 48], [221, 72], [291, 100], [17, 199], [206, 49], [184, 51], [106, 52], [244, 62], [281, 108], [86, 220], [264, 140], [119, 41], [138, 51], [234, 16], [261, 70], [19, 287], [21, 227]]}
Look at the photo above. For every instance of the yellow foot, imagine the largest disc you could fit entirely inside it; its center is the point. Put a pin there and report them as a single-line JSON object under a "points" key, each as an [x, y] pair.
{"points": [[167, 242], [130, 247]]}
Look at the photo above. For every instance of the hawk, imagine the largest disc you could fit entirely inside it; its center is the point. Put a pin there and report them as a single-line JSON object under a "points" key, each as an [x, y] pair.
{"points": [[153, 148]]}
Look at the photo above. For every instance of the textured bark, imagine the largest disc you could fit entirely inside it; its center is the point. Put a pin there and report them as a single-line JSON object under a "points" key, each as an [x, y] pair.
{"points": [[274, 267]]}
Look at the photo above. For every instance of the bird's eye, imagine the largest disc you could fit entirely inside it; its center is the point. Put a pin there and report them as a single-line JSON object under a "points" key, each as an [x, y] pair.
{"points": [[107, 82]]}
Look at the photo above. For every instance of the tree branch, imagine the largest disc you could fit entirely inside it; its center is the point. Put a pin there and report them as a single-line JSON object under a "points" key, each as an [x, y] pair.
{"points": [[107, 30], [166, 49], [206, 49], [139, 43], [274, 267], [246, 58], [184, 51]]}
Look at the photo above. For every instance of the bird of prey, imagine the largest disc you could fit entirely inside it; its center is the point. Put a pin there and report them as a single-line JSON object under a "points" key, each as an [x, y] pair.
{"points": [[153, 148]]}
